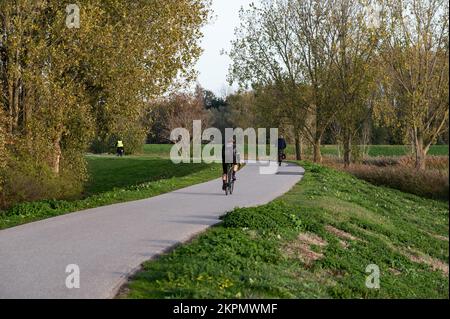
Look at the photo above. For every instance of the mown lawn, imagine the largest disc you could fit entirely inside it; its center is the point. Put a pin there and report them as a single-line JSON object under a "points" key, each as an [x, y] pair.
{"points": [[109, 173], [158, 150], [161, 150], [115, 180], [314, 242]]}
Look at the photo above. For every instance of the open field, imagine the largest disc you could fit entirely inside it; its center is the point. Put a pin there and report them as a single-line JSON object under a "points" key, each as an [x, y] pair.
{"points": [[314, 242], [163, 150], [158, 150], [115, 180], [383, 150]]}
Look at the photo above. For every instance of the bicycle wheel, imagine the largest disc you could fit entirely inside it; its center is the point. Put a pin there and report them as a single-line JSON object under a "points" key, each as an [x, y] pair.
{"points": [[227, 182], [230, 182]]}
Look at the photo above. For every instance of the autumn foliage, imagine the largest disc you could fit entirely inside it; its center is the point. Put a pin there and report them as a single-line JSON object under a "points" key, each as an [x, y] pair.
{"points": [[65, 89]]}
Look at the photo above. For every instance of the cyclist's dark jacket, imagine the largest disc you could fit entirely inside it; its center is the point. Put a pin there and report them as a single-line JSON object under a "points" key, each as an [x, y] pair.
{"points": [[282, 144], [227, 150]]}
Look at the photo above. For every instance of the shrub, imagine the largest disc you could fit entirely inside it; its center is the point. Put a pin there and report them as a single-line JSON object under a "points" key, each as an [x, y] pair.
{"points": [[382, 161], [400, 173], [274, 217], [432, 162], [430, 183], [101, 146], [438, 162], [133, 138], [26, 180]]}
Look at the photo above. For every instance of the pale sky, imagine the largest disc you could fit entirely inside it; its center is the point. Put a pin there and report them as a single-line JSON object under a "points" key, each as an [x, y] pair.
{"points": [[212, 66]]}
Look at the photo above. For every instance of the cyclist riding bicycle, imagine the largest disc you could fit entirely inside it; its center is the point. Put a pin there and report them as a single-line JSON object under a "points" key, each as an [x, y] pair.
{"points": [[229, 156], [120, 148], [281, 148]]}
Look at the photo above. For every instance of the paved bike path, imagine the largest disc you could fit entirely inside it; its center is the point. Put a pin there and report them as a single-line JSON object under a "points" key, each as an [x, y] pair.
{"points": [[109, 243]]}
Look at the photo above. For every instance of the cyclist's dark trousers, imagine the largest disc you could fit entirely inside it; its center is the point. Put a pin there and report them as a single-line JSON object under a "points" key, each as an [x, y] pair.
{"points": [[225, 167], [120, 150]]}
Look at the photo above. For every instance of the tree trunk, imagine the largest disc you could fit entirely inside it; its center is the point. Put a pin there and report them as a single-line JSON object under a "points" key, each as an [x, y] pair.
{"points": [[3, 154], [16, 104], [420, 152], [317, 151], [10, 106], [298, 148], [56, 156], [347, 149]]}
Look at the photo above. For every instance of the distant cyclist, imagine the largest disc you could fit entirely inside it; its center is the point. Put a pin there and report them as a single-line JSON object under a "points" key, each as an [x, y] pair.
{"points": [[281, 148], [120, 148], [229, 154]]}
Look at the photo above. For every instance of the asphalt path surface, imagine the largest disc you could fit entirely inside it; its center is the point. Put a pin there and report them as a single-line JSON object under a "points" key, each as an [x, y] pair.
{"points": [[108, 244]]}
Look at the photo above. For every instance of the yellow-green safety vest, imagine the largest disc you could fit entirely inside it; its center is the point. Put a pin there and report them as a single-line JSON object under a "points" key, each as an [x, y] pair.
{"points": [[119, 144]]}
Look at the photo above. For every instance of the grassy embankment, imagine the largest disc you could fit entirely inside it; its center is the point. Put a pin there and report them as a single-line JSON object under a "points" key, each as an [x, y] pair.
{"points": [[114, 180], [314, 242]]}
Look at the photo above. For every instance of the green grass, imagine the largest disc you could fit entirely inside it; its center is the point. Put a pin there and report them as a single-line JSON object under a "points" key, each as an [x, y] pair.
{"points": [[384, 150], [158, 150], [108, 173], [374, 150], [398, 150], [247, 256], [115, 180]]}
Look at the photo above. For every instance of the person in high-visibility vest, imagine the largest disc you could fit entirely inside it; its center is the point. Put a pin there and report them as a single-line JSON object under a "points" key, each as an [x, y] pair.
{"points": [[120, 148]]}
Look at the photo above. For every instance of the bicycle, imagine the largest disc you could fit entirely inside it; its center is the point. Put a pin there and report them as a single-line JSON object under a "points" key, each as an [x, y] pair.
{"points": [[230, 182], [281, 157], [120, 152]]}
